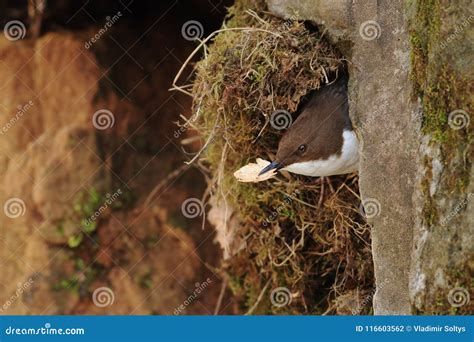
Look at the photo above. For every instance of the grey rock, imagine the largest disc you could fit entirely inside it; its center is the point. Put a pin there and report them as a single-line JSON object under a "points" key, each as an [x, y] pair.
{"points": [[334, 16]]}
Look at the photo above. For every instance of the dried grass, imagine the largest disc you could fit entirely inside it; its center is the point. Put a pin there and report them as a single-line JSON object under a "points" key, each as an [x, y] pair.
{"points": [[300, 233]]}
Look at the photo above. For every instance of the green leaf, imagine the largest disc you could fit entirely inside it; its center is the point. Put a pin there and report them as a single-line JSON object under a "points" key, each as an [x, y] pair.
{"points": [[89, 226], [75, 240]]}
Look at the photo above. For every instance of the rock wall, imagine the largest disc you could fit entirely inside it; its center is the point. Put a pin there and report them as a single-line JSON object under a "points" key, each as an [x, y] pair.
{"points": [[58, 167], [405, 175], [442, 62], [47, 157]]}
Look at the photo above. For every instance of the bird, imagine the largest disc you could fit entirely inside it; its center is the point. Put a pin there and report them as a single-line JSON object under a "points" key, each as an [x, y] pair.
{"points": [[321, 141]]}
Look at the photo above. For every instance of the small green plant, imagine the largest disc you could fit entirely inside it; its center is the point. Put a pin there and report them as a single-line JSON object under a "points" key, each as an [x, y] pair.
{"points": [[88, 226], [75, 240], [71, 283], [60, 228], [80, 278], [86, 209], [146, 281]]}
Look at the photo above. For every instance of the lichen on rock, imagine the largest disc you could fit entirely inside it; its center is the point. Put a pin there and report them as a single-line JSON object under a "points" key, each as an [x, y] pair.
{"points": [[443, 80]]}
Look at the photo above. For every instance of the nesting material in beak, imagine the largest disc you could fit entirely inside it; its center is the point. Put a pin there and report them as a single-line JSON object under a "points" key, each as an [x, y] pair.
{"points": [[256, 172]]}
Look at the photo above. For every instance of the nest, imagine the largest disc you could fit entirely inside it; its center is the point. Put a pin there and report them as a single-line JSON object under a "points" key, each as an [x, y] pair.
{"points": [[305, 235]]}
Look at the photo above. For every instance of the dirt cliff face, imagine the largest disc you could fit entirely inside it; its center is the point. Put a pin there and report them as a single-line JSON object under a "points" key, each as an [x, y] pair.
{"points": [[88, 132]]}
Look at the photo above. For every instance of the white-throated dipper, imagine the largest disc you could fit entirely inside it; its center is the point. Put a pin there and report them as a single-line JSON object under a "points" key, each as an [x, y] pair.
{"points": [[321, 141]]}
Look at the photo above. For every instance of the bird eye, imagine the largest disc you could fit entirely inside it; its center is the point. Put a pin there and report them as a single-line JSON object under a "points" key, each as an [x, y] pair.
{"points": [[302, 148]]}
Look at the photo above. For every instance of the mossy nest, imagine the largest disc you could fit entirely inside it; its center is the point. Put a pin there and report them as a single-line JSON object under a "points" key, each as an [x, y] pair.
{"points": [[301, 234]]}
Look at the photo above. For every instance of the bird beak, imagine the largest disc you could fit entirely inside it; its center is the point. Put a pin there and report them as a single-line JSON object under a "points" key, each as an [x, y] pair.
{"points": [[274, 165]]}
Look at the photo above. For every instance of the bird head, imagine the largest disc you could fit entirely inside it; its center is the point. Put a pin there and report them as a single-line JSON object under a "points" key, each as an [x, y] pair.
{"points": [[295, 146]]}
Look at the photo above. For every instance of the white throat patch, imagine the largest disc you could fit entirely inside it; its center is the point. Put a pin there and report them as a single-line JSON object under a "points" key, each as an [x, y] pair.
{"points": [[346, 162]]}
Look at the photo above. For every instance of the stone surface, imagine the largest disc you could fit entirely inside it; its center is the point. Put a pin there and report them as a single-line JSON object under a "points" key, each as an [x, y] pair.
{"points": [[387, 125], [443, 260], [335, 16]]}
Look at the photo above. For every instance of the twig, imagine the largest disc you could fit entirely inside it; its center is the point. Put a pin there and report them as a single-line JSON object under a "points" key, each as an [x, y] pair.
{"points": [[203, 42], [255, 15], [260, 296], [292, 253], [353, 192], [36, 11], [221, 297], [161, 184], [325, 75], [211, 136], [321, 195], [328, 180], [298, 200]]}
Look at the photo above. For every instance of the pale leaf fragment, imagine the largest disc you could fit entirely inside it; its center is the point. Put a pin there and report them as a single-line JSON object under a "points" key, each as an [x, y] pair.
{"points": [[249, 173]]}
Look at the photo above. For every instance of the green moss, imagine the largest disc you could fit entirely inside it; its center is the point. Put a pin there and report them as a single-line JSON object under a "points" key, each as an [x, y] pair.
{"points": [[442, 87], [438, 302], [245, 77], [235, 284], [430, 212]]}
